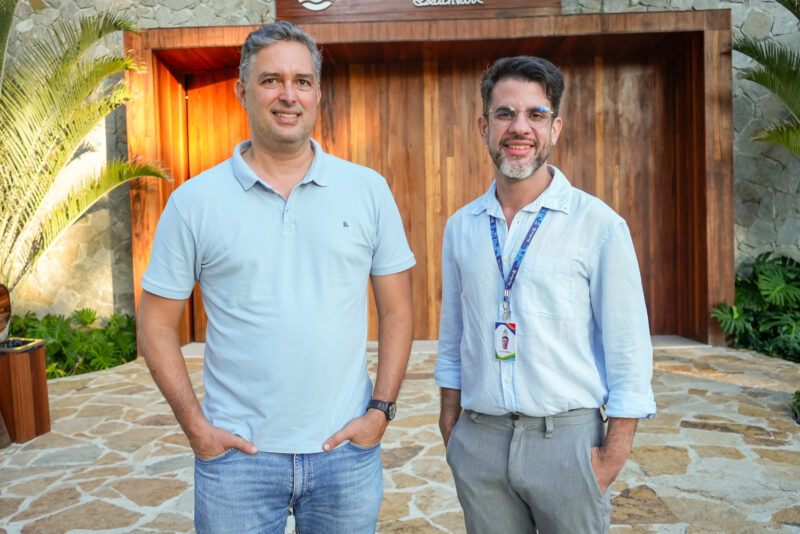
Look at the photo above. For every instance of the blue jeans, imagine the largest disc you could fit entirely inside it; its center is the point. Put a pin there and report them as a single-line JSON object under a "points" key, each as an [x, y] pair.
{"points": [[328, 492]]}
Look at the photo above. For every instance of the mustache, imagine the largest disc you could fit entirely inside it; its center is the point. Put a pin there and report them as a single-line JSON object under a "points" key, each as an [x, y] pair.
{"points": [[517, 137]]}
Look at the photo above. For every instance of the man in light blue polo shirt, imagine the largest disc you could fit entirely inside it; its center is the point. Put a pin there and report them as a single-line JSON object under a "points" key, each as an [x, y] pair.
{"points": [[283, 239]]}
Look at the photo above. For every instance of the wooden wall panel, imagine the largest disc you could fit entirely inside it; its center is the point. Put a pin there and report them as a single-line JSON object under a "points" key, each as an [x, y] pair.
{"points": [[718, 146], [690, 186], [142, 143], [170, 99], [216, 123], [610, 149]]}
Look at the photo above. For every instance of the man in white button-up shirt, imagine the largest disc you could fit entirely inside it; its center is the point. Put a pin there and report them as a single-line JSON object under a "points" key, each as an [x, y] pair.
{"points": [[543, 324]]}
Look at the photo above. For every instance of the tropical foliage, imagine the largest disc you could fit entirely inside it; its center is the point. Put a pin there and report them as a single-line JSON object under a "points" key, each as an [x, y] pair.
{"points": [[778, 70], [766, 314], [74, 346], [796, 407], [50, 99]]}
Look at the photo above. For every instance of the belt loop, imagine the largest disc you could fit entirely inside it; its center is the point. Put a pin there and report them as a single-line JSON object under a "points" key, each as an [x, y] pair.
{"points": [[473, 416], [548, 427]]}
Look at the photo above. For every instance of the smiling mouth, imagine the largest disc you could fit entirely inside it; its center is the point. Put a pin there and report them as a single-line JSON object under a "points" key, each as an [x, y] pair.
{"points": [[286, 114]]}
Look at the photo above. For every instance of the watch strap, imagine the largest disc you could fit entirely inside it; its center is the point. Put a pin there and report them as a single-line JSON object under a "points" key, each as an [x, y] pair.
{"points": [[384, 406]]}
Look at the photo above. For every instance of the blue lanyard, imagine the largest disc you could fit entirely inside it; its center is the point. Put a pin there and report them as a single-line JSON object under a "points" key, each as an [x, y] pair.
{"points": [[512, 275]]}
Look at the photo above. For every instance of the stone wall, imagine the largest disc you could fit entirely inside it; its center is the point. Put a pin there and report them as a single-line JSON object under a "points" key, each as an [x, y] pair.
{"points": [[91, 265]]}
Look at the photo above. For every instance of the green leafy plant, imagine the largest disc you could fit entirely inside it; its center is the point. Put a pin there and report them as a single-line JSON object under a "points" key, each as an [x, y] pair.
{"points": [[73, 346], [796, 407], [778, 71], [84, 317], [49, 101], [766, 313]]}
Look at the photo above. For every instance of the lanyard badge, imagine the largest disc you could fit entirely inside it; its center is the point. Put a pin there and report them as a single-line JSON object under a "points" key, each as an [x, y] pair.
{"points": [[505, 341], [505, 333]]}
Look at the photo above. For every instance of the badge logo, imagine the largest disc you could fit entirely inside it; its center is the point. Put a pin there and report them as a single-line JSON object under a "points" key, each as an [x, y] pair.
{"points": [[316, 5]]}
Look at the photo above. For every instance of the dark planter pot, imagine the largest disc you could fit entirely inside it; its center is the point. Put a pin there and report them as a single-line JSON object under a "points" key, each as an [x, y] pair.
{"points": [[24, 403]]}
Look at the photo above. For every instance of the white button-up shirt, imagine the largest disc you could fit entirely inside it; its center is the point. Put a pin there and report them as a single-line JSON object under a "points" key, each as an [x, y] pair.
{"points": [[583, 338]]}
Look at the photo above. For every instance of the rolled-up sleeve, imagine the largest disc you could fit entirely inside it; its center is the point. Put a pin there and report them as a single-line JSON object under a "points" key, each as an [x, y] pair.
{"points": [[620, 314], [448, 363]]}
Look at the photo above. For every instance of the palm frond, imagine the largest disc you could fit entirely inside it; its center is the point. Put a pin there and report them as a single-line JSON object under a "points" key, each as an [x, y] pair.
{"points": [[49, 102], [34, 176], [778, 70], [7, 8], [792, 5], [34, 121], [80, 199], [785, 134]]}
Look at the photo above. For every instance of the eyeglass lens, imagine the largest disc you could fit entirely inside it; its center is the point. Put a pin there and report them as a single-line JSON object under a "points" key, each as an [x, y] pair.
{"points": [[536, 116]]}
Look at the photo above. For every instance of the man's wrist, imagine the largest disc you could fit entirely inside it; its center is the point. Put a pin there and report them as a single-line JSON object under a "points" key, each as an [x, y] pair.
{"points": [[389, 409]]}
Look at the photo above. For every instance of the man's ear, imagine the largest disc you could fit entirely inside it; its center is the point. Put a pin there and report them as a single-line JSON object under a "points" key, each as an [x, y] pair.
{"points": [[240, 92], [555, 129], [483, 129]]}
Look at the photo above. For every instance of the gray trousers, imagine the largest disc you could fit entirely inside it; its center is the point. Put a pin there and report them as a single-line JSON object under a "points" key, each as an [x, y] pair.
{"points": [[516, 474]]}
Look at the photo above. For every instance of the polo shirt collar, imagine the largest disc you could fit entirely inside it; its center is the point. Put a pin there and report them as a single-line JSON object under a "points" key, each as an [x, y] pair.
{"points": [[554, 198], [247, 178]]}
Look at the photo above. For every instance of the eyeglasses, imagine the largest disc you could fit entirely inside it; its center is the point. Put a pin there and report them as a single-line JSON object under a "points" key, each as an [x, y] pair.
{"points": [[504, 115]]}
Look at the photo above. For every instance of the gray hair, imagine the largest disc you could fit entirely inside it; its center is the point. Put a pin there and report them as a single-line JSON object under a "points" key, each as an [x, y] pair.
{"points": [[271, 34]]}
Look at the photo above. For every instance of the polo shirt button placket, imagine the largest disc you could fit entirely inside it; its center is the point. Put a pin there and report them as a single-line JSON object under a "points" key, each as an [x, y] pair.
{"points": [[288, 221]]}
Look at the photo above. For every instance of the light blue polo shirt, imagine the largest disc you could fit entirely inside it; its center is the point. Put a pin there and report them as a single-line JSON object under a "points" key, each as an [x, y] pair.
{"points": [[284, 286]]}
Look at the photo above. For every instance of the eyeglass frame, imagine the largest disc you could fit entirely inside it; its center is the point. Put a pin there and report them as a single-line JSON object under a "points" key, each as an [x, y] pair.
{"points": [[490, 115]]}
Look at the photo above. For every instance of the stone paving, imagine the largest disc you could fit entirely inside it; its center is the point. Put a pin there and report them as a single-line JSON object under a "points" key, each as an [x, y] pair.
{"points": [[723, 455]]}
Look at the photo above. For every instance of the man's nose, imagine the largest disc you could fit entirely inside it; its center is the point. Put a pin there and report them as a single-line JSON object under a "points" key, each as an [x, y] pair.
{"points": [[288, 93], [520, 123]]}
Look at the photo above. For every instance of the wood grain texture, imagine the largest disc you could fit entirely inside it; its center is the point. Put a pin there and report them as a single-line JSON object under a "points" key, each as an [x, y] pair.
{"points": [[23, 394], [404, 10], [216, 124], [647, 114], [170, 96], [718, 136]]}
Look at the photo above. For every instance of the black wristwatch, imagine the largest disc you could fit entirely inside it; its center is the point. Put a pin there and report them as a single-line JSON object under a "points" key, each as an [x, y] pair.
{"points": [[388, 408]]}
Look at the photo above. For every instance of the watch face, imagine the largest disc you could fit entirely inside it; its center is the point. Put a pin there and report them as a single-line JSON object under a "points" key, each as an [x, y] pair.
{"points": [[391, 411]]}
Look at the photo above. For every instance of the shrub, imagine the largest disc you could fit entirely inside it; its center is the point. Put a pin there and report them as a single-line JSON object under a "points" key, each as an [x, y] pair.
{"points": [[766, 313], [73, 346]]}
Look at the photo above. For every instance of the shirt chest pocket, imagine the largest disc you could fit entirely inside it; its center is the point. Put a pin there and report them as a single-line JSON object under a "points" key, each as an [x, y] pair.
{"points": [[547, 287]]}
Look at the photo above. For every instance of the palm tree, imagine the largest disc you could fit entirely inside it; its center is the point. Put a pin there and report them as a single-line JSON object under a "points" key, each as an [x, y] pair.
{"points": [[778, 70], [49, 101]]}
